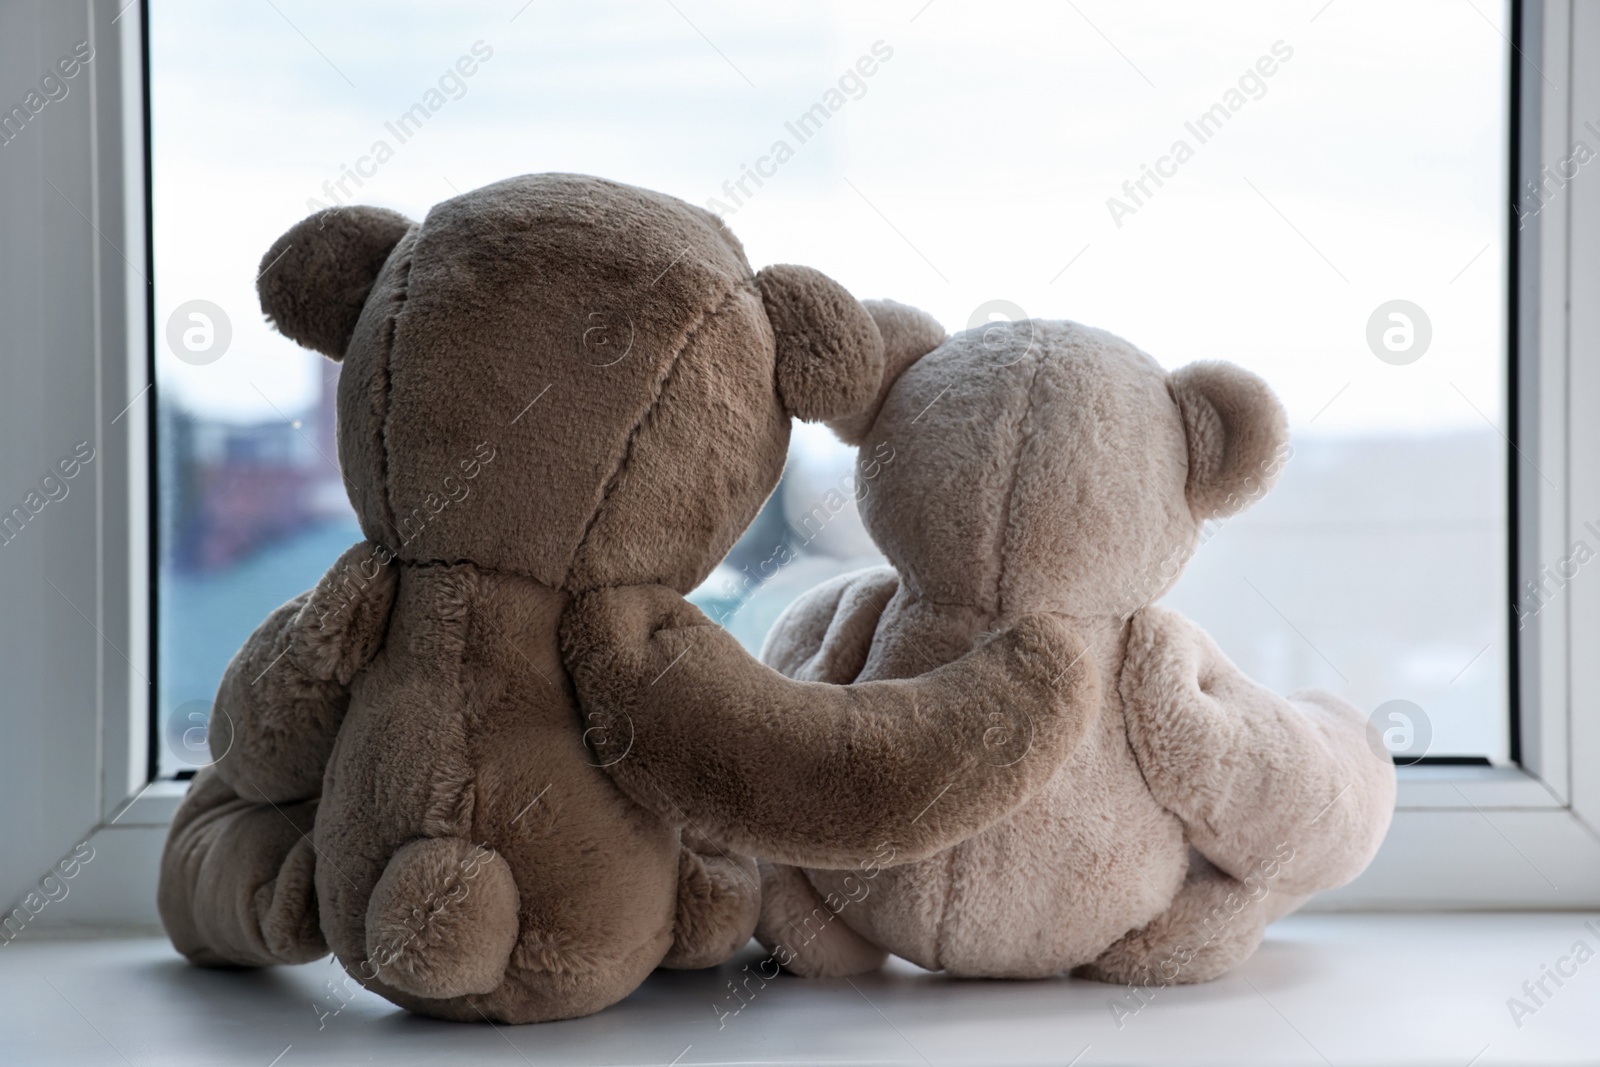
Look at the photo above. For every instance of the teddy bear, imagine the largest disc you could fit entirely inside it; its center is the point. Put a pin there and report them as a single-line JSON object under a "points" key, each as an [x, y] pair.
{"points": [[562, 400], [1048, 467]]}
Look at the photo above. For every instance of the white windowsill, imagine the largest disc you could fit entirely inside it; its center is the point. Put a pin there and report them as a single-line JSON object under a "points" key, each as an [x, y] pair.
{"points": [[152, 806], [1340, 989]]}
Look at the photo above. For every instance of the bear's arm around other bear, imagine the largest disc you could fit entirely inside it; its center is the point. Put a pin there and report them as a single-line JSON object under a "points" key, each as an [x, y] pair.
{"points": [[1290, 792], [695, 729]]}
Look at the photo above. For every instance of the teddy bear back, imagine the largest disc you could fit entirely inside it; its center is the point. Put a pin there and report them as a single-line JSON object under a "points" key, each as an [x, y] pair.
{"points": [[1050, 466]]}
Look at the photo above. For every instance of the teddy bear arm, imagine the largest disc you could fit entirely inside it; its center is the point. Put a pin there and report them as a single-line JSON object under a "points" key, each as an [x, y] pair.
{"points": [[692, 728], [826, 634], [1286, 789], [284, 694]]}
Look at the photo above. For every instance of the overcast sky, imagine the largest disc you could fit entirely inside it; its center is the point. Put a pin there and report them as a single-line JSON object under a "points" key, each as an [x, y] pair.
{"points": [[976, 165]]}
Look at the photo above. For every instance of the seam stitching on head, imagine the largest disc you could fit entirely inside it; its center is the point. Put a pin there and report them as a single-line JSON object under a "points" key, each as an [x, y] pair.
{"points": [[498, 573], [644, 417], [1004, 530], [386, 394]]}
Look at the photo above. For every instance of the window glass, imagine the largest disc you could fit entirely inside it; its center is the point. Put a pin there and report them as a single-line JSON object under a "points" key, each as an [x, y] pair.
{"points": [[1265, 183]]}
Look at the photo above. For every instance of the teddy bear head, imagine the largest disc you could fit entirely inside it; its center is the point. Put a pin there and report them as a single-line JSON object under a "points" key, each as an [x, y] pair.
{"points": [[1048, 466], [564, 377]]}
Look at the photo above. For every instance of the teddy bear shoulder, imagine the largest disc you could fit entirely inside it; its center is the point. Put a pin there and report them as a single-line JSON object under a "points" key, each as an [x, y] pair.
{"points": [[825, 635]]}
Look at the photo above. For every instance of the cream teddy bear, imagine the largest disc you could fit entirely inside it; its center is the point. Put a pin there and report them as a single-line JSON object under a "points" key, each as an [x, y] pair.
{"points": [[1047, 467]]}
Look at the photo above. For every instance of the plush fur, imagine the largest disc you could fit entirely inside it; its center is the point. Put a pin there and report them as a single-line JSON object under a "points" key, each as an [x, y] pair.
{"points": [[558, 392], [821, 374], [314, 280], [1046, 467], [819, 762]]}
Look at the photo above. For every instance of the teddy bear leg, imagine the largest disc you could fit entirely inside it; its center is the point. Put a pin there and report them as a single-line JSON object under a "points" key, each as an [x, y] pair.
{"points": [[804, 935], [443, 919], [1213, 924], [719, 900], [236, 885]]}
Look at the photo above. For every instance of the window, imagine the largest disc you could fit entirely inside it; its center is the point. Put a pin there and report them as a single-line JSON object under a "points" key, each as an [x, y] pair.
{"points": [[1320, 201], [955, 175]]}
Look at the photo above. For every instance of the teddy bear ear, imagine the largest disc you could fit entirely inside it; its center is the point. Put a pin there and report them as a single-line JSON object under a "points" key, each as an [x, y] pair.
{"points": [[1238, 436], [908, 334], [830, 357], [314, 280]]}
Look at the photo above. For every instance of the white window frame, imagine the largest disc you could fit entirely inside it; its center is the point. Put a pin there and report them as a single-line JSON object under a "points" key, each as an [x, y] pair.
{"points": [[1525, 835], [76, 654], [1521, 836]]}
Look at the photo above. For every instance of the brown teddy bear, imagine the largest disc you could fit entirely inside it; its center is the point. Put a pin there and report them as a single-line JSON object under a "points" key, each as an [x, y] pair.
{"points": [[558, 391], [1047, 467]]}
